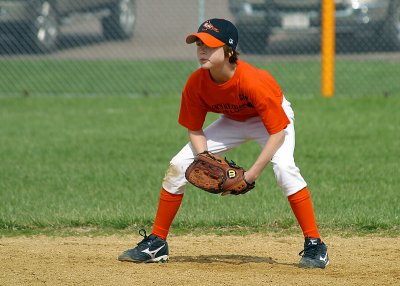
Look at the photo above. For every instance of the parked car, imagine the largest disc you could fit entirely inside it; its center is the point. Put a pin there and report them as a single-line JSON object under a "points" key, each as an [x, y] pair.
{"points": [[356, 20], [35, 24]]}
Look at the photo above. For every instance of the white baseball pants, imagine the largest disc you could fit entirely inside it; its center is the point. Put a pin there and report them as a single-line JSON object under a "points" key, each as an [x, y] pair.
{"points": [[225, 134]]}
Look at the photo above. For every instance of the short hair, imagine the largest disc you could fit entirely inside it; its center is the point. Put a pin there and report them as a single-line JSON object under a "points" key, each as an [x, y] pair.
{"points": [[234, 54]]}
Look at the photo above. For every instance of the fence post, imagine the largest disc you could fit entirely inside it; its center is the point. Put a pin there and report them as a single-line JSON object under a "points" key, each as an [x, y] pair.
{"points": [[328, 48], [201, 11]]}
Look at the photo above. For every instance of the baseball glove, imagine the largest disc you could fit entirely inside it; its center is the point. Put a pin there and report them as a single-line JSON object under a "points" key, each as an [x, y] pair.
{"points": [[216, 175]]}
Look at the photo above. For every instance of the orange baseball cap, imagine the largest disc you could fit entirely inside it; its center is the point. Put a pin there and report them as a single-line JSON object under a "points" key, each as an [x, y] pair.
{"points": [[215, 33]]}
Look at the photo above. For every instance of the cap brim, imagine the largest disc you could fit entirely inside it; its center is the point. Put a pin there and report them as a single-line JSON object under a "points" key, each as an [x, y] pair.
{"points": [[207, 39]]}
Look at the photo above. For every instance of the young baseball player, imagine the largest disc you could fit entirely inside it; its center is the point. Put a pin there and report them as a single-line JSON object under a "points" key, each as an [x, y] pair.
{"points": [[253, 107]]}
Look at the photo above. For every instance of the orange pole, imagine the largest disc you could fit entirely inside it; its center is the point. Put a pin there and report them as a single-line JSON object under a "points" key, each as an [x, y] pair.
{"points": [[328, 48]]}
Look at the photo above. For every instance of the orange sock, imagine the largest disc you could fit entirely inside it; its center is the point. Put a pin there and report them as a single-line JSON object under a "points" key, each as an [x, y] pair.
{"points": [[168, 206], [303, 210]]}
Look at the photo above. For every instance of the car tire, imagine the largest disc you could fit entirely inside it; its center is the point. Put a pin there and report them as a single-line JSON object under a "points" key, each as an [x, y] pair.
{"points": [[41, 33], [391, 28], [119, 25]]}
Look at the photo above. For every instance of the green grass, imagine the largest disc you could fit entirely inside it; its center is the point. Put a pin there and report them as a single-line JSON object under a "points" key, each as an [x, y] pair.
{"points": [[77, 77], [161, 77], [97, 162]]}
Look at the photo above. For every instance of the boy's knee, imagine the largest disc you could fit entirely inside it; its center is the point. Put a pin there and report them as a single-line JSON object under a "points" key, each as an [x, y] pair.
{"points": [[284, 168], [288, 177], [174, 180], [174, 170]]}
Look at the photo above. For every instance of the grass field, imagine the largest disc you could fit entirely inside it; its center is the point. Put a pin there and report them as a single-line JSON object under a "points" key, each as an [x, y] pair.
{"points": [[76, 77], [97, 161]]}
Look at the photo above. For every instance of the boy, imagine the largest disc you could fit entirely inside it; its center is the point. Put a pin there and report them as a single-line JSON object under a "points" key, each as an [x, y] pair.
{"points": [[253, 107]]}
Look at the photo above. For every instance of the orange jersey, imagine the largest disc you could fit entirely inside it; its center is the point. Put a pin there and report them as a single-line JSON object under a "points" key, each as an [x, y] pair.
{"points": [[250, 92]]}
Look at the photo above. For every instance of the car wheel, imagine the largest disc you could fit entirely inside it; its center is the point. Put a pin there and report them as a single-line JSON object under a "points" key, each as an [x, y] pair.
{"points": [[40, 35], [120, 23], [391, 29]]}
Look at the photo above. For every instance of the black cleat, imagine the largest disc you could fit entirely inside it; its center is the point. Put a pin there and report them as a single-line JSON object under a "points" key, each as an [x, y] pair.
{"points": [[150, 249], [315, 254]]}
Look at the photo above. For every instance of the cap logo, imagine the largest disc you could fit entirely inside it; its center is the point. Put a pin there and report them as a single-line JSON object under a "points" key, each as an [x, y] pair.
{"points": [[230, 41], [208, 26]]}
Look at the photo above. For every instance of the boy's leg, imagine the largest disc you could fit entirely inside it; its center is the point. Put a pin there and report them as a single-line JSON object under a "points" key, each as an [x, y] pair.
{"points": [[303, 210], [222, 135], [168, 206], [294, 186], [288, 175], [295, 189]]}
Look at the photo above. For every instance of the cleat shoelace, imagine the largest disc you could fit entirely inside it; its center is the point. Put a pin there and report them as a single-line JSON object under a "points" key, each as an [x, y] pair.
{"points": [[145, 239], [309, 251]]}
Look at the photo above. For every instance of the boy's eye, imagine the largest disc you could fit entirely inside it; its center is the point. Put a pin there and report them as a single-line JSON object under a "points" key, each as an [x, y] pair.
{"points": [[199, 43]]}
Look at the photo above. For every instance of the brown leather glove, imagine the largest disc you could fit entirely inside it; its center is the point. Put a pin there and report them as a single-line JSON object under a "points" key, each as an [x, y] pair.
{"points": [[216, 175]]}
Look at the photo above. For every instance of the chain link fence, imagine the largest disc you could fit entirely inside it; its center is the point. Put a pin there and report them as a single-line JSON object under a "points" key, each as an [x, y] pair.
{"points": [[138, 47]]}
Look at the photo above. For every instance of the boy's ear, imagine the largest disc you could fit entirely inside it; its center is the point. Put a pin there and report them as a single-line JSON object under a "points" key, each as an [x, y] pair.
{"points": [[228, 52]]}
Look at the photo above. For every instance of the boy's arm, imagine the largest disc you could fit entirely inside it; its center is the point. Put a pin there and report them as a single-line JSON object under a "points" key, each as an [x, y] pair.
{"points": [[272, 145], [198, 140]]}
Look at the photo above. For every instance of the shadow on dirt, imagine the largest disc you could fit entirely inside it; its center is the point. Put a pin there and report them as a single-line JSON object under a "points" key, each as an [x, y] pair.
{"points": [[227, 259]]}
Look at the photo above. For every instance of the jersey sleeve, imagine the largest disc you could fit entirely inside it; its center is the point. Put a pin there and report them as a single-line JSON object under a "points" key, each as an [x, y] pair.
{"points": [[272, 115], [267, 98], [192, 111]]}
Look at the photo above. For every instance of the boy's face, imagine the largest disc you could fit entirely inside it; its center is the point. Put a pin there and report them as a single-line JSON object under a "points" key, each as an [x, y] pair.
{"points": [[209, 57]]}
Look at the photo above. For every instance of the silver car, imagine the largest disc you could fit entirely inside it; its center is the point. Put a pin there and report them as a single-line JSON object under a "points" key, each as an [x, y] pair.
{"points": [[35, 24], [357, 21]]}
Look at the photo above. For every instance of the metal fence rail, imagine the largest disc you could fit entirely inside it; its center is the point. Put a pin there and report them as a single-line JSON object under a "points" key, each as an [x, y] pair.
{"points": [[138, 47]]}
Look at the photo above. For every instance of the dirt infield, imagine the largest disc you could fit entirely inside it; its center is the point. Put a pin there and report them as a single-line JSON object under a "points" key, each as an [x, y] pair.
{"points": [[197, 260]]}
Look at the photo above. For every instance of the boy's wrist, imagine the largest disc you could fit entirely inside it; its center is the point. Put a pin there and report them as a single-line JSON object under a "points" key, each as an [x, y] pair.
{"points": [[249, 177]]}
